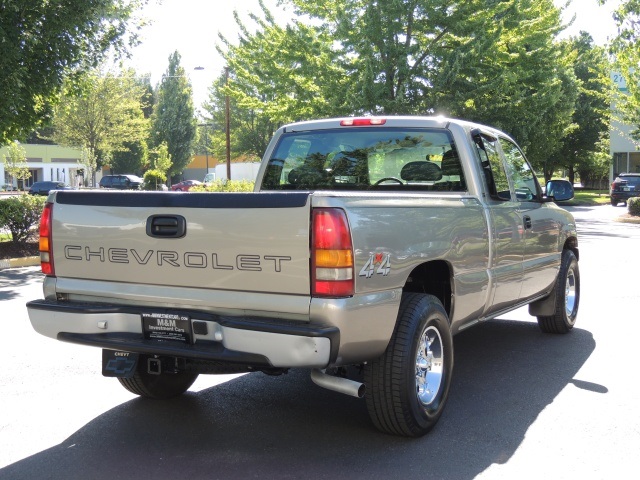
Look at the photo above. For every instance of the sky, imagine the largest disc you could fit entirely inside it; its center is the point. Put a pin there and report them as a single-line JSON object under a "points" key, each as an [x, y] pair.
{"points": [[191, 27]]}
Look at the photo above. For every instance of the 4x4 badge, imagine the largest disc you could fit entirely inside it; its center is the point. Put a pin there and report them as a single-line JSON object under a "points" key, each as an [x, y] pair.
{"points": [[378, 263]]}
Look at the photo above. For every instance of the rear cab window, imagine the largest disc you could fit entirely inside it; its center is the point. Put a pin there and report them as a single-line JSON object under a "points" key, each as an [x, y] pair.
{"points": [[394, 159]]}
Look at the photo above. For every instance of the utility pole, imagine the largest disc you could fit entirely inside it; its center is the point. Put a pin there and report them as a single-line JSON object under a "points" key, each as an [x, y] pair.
{"points": [[227, 114]]}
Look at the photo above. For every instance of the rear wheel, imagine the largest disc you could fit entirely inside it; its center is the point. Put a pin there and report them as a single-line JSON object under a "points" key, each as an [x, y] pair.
{"points": [[567, 292], [407, 387], [160, 386], [614, 203]]}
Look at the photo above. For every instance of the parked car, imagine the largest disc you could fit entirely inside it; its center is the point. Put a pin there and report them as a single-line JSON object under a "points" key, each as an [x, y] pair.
{"points": [[7, 187], [121, 182], [43, 188], [185, 185], [625, 186], [209, 177]]}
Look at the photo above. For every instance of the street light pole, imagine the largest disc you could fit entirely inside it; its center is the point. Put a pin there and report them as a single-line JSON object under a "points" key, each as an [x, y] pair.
{"points": [[206, 143], [227, 123]]}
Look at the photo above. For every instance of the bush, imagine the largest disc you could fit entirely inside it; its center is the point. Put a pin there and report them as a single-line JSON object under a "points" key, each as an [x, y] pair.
{"points": [[633, 204], [154, 179], [20, 214], [226, 186]]}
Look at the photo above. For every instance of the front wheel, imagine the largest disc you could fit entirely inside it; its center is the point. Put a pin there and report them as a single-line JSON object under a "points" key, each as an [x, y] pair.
{"points": [[567, 292], [159, 386], [407, 387]]}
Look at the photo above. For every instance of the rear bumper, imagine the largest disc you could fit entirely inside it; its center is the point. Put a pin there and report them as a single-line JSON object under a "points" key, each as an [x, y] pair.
{"points": [[623, 196], [249, 341]]}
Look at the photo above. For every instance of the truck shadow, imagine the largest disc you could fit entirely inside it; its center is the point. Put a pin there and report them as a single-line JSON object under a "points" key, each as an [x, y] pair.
{"points": [[12, 279], [506, 373]]}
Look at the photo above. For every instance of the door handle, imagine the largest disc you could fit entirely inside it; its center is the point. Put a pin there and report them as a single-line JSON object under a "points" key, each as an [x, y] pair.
{"points": [[527, 222], [166, 226]]}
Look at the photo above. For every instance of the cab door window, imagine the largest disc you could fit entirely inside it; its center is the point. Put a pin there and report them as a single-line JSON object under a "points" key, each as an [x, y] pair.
{"points": [[494, 170], [524, 181]]}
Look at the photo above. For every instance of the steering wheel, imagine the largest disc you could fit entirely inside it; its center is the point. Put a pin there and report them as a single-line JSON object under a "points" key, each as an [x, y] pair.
{"points": [[386, 179]]}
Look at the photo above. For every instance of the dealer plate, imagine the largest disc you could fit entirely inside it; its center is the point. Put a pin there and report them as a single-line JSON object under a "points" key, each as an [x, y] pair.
{"points": [[167, 326]]}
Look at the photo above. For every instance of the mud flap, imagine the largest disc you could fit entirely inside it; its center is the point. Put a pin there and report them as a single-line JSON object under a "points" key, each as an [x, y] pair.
{"points": [[118, 364]]}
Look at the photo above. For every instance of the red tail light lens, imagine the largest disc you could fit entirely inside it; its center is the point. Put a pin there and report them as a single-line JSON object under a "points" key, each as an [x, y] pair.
{"points": [[46, 247], [331, 254]]}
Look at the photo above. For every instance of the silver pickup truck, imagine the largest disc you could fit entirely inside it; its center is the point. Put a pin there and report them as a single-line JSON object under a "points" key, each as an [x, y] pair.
{"points": [[368, 242]]}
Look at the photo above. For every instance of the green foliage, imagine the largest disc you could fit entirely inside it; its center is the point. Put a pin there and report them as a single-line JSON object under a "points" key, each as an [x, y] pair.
{"points": [[104, 118], [20, 214], [15, 163], [131, 159], [626, 49], [277, 75], [154, 179], [173, 120], [42, 43], [585, 146], [226, 186], [633, 205], [501, 67], [162, 158]]}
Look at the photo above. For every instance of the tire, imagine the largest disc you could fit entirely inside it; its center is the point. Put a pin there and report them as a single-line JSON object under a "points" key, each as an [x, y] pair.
{"points": [[614, 203], [162, 386], [567, 292], [396, 395]]}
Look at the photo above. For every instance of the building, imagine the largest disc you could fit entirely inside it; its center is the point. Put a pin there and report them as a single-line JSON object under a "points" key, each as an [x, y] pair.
{"points": [[47, 162], [625, 152], [62, 164]]}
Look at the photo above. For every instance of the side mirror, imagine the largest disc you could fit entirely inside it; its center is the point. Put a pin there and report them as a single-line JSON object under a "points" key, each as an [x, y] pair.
{"points": [[559, 190]]}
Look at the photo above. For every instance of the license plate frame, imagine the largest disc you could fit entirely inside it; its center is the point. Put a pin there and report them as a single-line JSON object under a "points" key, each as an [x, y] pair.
{"points": [[167, 326]]}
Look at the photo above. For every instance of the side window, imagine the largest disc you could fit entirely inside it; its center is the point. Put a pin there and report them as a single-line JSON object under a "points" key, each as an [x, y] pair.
{"points": [[494, 172], [524, 181]]}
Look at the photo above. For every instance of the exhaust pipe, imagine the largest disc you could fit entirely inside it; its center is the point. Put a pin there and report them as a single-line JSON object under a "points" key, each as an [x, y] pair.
{"points": [[337, 384]]}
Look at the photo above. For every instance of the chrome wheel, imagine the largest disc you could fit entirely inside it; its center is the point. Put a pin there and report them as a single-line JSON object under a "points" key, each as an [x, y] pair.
{"points": [[570, 294], [429, 366]]}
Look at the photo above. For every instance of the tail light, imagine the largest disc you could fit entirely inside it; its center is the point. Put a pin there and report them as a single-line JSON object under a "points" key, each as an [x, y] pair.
{"points": [[331, 254], [362, 122], [46, 247]]}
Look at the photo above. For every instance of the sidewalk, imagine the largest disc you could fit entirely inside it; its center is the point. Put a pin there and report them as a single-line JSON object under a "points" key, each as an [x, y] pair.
{"points": [[19, 262]]}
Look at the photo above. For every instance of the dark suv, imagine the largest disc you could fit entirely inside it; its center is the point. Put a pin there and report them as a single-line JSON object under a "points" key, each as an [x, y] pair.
{"points": [[43, 188], [121, 182], [625, 186]]}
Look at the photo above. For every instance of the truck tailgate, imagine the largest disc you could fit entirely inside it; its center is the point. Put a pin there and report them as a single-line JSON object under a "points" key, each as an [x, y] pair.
{"points": [[252, 242]]}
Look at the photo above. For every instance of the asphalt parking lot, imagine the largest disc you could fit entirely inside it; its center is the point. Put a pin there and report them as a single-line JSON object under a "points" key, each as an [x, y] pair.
{"points": [[522, 405]]}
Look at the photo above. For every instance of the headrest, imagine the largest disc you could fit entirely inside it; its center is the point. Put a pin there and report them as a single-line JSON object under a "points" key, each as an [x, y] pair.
{"points": [[451, 164], [421, 172]]}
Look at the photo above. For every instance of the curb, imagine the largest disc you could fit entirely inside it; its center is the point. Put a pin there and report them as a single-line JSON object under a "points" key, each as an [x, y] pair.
{"points": [[19, 262]]}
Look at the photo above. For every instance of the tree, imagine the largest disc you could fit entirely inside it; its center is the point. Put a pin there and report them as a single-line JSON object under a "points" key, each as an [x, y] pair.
{"points": [[15, 163], [104, 118], [581, 146], [173, 119], [88, 163], [160, 165], [626, 49], [44, 43], [275, 76], [500, 67], [131, 158]]}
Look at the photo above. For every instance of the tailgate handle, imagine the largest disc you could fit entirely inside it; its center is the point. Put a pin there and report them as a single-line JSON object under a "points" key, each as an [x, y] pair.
{"points": [[166, 226]]}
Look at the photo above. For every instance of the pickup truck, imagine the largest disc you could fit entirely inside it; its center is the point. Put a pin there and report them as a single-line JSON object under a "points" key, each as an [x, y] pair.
{"points": [[367, 243]]}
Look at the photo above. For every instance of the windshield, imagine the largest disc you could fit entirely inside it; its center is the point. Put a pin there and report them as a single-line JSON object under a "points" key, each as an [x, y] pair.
{"points": [[365, 159]]}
